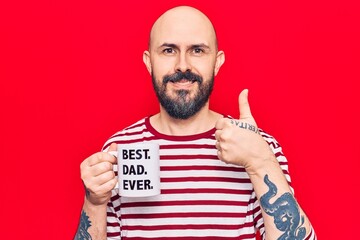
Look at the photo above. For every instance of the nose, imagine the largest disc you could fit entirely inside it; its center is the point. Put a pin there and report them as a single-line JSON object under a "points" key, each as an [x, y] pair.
{"points": [[183, 64]]}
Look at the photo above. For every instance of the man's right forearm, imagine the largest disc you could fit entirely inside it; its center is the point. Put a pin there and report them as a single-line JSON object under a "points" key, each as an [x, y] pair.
{"points": [[92, 225], [99, 179]]}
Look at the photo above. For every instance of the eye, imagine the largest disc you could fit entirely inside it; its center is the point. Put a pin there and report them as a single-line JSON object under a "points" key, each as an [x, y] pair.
{"points": [[198, 50], [168, 51]]}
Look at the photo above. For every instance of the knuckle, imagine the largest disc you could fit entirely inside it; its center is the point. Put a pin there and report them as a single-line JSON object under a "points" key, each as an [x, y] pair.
{"points": [[106, 156], [109, 166], [225, 160], [98, 156], [102, 167], [115, 180], [225, 156], [225, 136], [103, 155], [89, 186], [82, 165], [105, 177], [224, 148], [85, 163], [96, 190], [110, 186], [84, 174], [109, 175]]}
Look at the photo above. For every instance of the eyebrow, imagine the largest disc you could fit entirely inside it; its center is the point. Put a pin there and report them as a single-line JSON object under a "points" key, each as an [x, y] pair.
{"points": [[201, 45], [172, 45]]}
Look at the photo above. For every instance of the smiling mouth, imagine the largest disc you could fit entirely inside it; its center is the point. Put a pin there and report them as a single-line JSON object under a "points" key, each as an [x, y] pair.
{"points": [[183, 84], [183, 81]]}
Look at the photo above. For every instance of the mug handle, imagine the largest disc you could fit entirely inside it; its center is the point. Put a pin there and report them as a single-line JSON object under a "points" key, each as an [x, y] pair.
{"points": [[115, 154]]}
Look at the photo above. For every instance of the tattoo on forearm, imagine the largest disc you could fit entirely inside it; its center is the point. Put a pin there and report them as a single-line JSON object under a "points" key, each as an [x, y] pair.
{"points": [[245, 125], [285, 211], [82, 232]]}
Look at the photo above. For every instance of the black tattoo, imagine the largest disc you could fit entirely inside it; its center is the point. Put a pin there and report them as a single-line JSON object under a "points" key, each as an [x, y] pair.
{"points": [[82, 232], [285, 211], [245, 125]]}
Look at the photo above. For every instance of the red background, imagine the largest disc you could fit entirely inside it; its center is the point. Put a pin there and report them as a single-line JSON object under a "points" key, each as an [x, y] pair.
{"points": [[71, 74]]}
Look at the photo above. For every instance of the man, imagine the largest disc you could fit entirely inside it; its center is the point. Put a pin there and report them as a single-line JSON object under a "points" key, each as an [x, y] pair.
{"points": [[220, 177]]}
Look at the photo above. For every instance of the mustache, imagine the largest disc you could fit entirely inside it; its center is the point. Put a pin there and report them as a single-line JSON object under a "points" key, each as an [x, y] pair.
{"points": [[178, 76]]}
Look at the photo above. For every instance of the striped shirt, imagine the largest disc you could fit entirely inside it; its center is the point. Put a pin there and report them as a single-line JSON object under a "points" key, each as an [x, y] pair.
{"points": [[201, 196]]}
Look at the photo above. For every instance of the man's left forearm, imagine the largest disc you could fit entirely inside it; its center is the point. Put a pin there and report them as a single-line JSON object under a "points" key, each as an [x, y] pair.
{"points": [[283, 216]]}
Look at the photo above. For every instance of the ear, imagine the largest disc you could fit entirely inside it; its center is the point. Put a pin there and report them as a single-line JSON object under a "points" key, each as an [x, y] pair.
{"points": [[146, 60], [220, 59]]}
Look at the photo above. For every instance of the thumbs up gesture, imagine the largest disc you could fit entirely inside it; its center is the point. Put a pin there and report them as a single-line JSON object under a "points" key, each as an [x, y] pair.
{"points": [[239, 142]]}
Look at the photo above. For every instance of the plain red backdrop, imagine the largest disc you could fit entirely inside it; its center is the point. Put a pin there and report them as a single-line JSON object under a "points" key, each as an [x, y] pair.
{"points": [[71, 74]]}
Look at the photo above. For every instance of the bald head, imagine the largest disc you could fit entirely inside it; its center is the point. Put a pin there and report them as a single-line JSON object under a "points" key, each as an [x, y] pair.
{"points": [[185, 24], [183, 60]]}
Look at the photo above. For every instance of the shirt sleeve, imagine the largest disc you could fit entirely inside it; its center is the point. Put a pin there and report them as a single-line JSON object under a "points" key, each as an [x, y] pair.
{"points": [[113, 223], [312, 235], [113, 219]]}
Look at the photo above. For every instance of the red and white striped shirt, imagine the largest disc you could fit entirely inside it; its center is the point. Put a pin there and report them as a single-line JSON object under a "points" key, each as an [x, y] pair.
{"points": [[201, 196]]}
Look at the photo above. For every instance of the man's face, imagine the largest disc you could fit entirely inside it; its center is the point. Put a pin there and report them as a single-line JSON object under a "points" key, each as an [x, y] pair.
{"points": [[182, 61], [183, 103]]}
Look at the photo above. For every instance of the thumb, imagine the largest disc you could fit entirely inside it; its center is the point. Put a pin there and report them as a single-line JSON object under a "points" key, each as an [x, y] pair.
{"points": [[113, 150], [244, 106], [113, 147]]}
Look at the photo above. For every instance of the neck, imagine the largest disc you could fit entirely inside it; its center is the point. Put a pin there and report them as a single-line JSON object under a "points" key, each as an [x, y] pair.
{"points": [[202, 121]]}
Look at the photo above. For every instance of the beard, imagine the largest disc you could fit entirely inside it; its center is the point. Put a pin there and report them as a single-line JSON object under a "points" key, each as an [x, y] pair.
{"points": [[183, 106]]}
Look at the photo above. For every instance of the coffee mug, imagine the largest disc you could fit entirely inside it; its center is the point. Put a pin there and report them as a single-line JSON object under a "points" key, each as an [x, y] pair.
{"points": [[138, 169]]}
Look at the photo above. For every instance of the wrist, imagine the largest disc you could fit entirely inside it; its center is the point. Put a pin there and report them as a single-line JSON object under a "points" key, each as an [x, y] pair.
{"points": [[263, 165], [94, 206]]}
